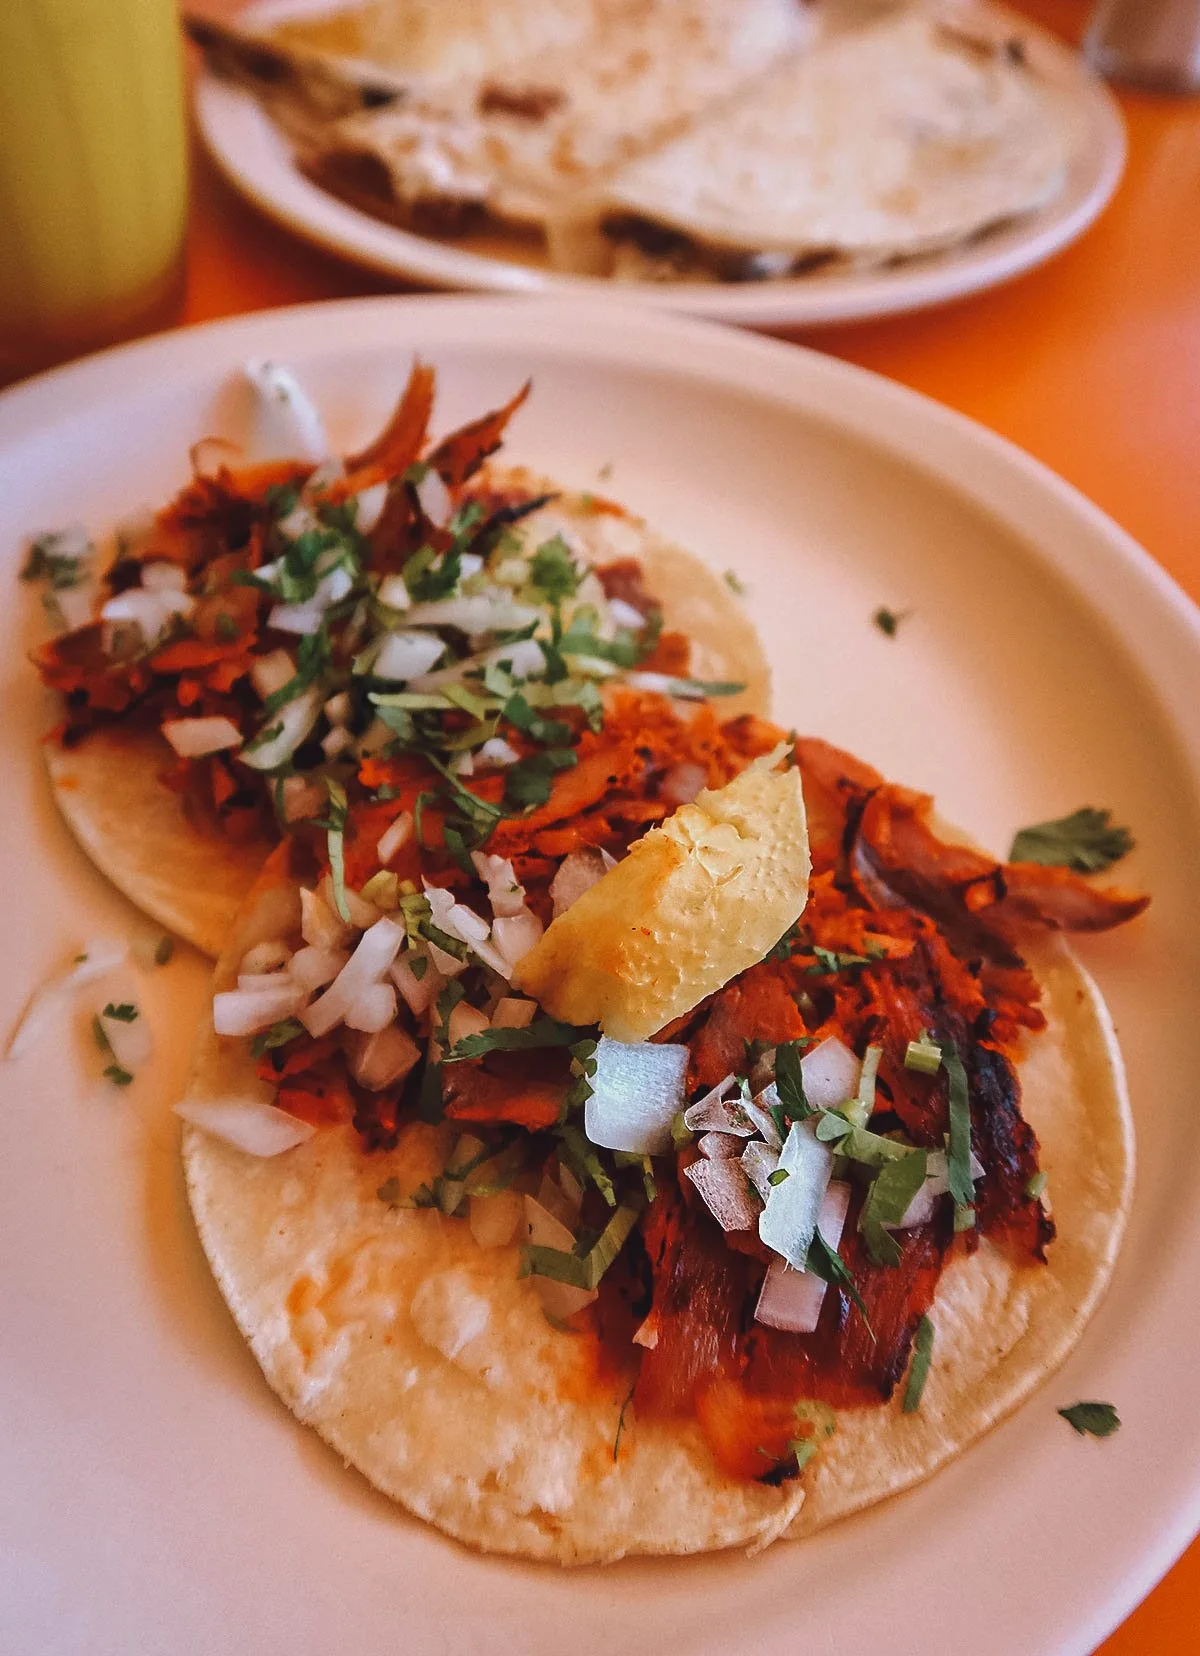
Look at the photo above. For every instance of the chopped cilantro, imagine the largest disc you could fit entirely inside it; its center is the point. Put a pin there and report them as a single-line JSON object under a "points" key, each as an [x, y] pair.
{"points": [[735, 583], [98, 1035], [888, 1199], [335, 836], [123, 1012], [1099, 1420], [51, 560], [553, 572], [164, 949], [1035, 1188], [581, 1270], [959, 1150], [919, 1372], [118, 1076], [389, 1192], [828, 961], [542, 1032], [888, 621], [789, 1081], [278, 1035], [1087, 841], [529, 782], [226, 628], [825, 1262]]}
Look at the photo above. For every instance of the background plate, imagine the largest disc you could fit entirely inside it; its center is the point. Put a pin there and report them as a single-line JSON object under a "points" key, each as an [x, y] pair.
{"points": [[257, 161], [153, 1495]]}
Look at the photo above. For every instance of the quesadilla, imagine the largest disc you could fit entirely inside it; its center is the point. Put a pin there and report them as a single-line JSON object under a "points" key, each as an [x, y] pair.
{"points": [[573, 1295], [276, 625], [890, 141]]}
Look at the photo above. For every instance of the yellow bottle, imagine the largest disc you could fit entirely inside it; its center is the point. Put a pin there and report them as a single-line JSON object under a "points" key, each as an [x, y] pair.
{"points": [[93, 173]]}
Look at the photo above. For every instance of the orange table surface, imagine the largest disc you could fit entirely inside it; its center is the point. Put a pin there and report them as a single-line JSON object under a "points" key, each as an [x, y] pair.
{"points": [[1091, 363]]}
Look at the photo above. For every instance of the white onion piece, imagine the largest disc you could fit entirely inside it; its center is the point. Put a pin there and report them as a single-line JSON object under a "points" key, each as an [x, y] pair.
{"points": [[577, 873], [470, 563], [320, 925], [447, 964], [250, 1011], [337, 708], [496, 751], [830, 1072], [75, 604], [791, 1299], [374, 953], [466, 1020], [306, 618], [266, 956], [789, 1219], [719, 1146], [193, 738], [463, 923], [396, 835], [368, 507], [494, 1219], [301, 520], [937, 1184], [287, 425], [559, 1299], [759, 1161], [471, 927], [302, 798], [512, 1013], [248, 1124], [363, 914], [434, 498], [312, 967], [48, 1002], [406, 655], [131, 1043], [625, 615], [164, 577], [150, 612], [683, 782], [637, 1091], [758, 1112], [293, 722], [726, 1193], [418, 993], [717, 1113], [515, 934], [323, 477], [664, 685], [335, 741], [525, 659], [372, 1010], [462, 764], [255, 981], [646, 1335], [557, 1203], [478, 615], [505, 892], [393, 592]]}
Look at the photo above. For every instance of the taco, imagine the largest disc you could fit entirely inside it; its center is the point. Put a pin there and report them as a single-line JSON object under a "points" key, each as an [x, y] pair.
{"points": [[570, 1293], [249, 645]]}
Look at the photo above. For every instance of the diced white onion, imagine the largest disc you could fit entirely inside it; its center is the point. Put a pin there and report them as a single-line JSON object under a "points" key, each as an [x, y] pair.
{"points": [[717, 1112], [393, 592], [496, 751], [484, 613], [637, 1091], [625, 615], [466, 1020], [362, 913], [368, 507], [513, 1013], [418, 993], [515, 934], [792, 1299], [758, 1112], [726, 1193], [406, 655], [434, 498], [577, 873], [468, 925], [48, 1002], [376, 950], [248, 1124], [830, 1073], [505, 892], [494, 1220], [266, 957], [789, 1220], [759, 1161], [337, 708], [464, 924], [396, 835], [525, 659], [271, 672], [287, 425], [450, 966], [682, 783], [302, 798], [193, 738], [719, 1146], [75, 604], [382, 1059], [559, 1299], [306, 618], [150, 612], [320, 924], [264, 980], [565, 1208], [313, 967], [335, 741], [250, 1011], [164, 577], [937, 1184], [131, 1042], [372, 1010], [292, 723], [462, 764]]}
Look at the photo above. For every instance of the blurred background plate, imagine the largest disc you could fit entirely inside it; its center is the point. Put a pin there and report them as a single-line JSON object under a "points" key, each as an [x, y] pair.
{"points": [[256, 159], [154, 1496]]}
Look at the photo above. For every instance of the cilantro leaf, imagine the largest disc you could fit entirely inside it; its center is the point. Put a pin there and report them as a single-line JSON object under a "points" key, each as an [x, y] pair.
{"points": [[278, 1035], [958, 1170], [919, 1372], [892, 1189], [888, 621], [528, 783], [1099, 1420], [542, 1032], [825, 1262], [552, 570], [124, 1012], [1087, 841], [118, 1076], [789, 1081], [164, 949]]}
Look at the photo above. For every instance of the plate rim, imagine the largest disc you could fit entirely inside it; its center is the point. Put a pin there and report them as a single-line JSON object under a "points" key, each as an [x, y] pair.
{"points": [[795, 376], [289, 199]]}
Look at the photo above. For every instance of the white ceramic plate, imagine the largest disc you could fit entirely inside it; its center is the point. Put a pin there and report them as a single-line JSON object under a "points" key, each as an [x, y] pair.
{"points": [[153, 1494], [257, 161]]}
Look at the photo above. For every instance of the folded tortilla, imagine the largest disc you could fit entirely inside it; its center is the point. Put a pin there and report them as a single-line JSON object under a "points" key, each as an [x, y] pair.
{"points": [[192, 878], [899, 138], [425, 1362]]}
